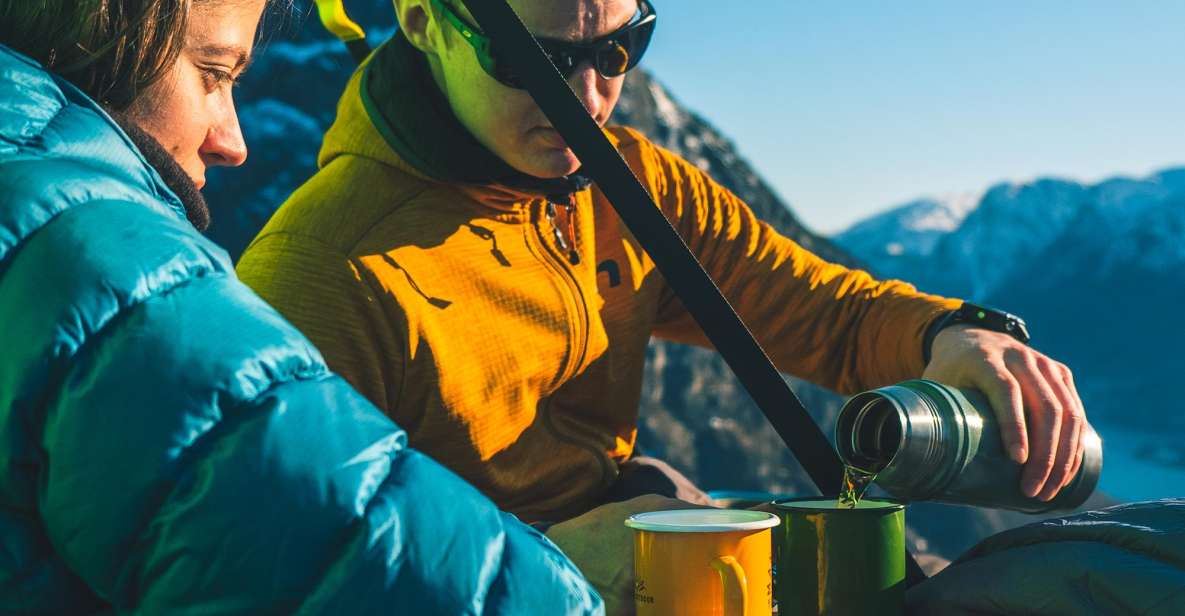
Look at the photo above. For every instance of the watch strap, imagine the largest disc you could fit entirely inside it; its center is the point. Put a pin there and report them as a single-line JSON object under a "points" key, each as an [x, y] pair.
{"points": [[975, 316]]}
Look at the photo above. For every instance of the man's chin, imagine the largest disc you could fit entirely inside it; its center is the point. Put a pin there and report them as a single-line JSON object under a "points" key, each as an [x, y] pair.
{"points": [[554, 164]]}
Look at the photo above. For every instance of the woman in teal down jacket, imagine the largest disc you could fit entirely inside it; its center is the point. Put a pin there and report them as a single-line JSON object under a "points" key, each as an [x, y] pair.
{"points": [[168, 444]]}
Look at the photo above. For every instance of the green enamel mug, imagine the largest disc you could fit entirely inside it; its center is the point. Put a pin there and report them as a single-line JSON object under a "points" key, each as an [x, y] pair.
{"points": [[839, 562]]}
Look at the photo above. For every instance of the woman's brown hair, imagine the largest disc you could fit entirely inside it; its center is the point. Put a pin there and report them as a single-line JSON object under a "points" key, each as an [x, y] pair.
{"points": [[111, 49]]}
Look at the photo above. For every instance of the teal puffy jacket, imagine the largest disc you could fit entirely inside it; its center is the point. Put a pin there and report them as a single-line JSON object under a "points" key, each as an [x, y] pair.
{"points": [[169, 445]]}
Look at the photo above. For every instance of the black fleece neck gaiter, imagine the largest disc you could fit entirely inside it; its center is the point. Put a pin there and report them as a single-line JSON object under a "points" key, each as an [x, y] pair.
{"points": [[173, 175]]}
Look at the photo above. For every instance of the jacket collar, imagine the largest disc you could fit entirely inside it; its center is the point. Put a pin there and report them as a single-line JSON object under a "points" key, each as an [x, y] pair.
{"points": [[31, 98]]}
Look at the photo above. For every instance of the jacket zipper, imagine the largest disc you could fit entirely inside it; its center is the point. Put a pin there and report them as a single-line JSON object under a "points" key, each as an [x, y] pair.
{"points": [[567, 244]]}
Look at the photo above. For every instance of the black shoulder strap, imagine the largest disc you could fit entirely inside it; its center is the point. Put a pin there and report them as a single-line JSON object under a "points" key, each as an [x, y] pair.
{"points": [[662, 242]]}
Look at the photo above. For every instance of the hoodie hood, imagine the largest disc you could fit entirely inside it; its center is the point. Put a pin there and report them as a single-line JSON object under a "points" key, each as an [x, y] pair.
{"points": [[393, 112]]}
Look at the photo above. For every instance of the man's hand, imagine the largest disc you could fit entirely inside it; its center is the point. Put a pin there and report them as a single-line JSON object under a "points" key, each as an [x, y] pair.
{"points": [[1047, 438], [601, 546]]}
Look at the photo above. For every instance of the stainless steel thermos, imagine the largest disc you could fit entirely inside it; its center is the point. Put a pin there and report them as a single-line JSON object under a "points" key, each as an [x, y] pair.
{"points": [[927, 441]]}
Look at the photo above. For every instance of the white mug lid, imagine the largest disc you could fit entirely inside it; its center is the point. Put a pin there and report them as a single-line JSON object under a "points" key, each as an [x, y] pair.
{"points": [[702, 520]]}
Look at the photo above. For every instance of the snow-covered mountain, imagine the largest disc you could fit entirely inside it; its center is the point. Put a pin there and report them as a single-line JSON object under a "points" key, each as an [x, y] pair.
{"points": [[1098, 271], [1106, 296], [898, 239], [1011, 224], [1146, 212]]}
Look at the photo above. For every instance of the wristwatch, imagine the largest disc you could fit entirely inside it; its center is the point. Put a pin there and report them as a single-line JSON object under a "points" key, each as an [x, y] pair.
{"points": [[976, 316]]}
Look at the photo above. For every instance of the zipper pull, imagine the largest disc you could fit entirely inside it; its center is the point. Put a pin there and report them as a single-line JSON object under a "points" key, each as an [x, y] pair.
{"points": [[555, 227], [573, 256], [565, 239]]}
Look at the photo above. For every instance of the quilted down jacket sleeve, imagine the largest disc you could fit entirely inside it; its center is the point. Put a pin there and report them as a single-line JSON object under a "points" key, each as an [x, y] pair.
{"points": [[1128, 559], [170, 445], [197, 456]]}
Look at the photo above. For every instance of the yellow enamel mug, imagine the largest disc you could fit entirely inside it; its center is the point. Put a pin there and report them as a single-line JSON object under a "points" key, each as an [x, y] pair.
{"points": [[703, 562]]}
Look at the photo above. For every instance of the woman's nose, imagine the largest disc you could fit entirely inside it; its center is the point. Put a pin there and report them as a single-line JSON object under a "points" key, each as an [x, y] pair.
{"points": [[224, 145]]}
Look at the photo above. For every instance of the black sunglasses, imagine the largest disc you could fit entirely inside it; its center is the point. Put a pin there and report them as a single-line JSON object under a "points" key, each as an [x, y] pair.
{"points": [[613, 55]]}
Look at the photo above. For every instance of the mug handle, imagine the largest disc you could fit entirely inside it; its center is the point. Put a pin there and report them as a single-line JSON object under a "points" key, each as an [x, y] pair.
{"points": [[732, 576]]}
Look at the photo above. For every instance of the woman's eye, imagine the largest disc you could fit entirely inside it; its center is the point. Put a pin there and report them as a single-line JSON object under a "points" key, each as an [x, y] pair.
{"points": [[215, 78]]}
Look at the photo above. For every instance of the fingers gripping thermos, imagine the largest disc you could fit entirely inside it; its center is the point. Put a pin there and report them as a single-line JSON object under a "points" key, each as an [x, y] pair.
{"points": [[927, 441]]}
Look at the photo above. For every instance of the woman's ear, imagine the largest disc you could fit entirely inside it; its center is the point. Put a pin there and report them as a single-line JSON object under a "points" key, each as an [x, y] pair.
{"points": [[418, 24]]}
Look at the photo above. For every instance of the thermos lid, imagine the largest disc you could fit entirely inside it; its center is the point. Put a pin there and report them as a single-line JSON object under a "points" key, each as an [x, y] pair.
{"points": [[702, 520]]}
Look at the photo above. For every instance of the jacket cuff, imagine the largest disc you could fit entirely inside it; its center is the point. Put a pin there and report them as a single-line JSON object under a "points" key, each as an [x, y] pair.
{"points": [[936, 325]]}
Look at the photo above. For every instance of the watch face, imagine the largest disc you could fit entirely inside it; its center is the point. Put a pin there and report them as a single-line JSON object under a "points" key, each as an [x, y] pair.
{"points": [[1018, 329]]}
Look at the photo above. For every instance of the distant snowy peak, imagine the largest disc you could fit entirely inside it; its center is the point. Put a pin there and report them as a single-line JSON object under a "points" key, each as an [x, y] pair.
{"points": [[891, 241], [968, 247], [933, 213], [1042, 201], [1012, 224], [1123, 201], [1128, 224], [940, 213]]}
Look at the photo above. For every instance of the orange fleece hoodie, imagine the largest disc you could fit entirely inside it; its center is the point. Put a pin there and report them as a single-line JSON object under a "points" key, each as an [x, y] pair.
{"points": [[453, 308]]}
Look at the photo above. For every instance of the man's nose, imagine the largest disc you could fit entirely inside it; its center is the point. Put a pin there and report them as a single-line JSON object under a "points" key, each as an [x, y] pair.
{"points": [[591, 89], [224, 145]]}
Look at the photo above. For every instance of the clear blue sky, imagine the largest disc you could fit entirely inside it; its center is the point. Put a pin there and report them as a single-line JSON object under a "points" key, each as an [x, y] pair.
{"points": [[850, 107]]}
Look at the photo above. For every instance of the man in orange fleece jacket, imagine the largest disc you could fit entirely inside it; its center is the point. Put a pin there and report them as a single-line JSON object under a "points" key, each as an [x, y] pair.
{"points": [[449, 260]]}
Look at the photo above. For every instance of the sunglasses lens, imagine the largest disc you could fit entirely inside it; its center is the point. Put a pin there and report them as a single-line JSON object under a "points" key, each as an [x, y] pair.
{"points": [[613, 59], [639, 41], [618, 55]]}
